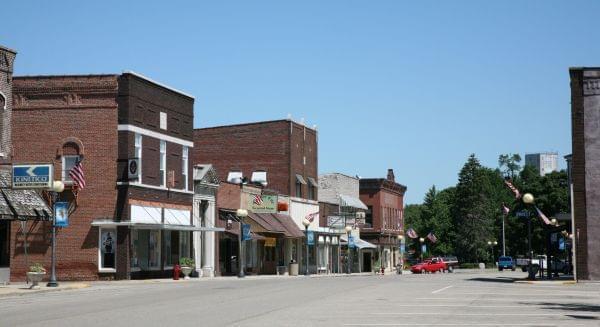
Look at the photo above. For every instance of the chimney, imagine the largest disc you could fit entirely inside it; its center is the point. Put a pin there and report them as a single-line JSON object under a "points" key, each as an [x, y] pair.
{"points": [[390, 175]]}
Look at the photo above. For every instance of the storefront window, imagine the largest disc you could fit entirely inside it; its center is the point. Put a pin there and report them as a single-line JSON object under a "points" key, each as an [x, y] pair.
{"points": [[167, 241], [135, 244], [184, 244], [154, 249], [108, 245]]}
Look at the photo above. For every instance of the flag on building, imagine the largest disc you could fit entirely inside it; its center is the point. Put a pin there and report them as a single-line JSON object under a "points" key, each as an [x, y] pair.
{"points": [[432, 237], [544, 218], [77, 175], [258, 199], [505, 209], [411, 233], [311, 217], [513, 188]]}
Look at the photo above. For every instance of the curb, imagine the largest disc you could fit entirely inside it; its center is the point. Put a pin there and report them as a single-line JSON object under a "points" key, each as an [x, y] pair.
{"points": [[26, 291]]}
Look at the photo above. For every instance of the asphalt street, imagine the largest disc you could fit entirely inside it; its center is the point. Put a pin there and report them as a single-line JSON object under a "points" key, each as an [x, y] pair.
{"points": [[460, 299]]}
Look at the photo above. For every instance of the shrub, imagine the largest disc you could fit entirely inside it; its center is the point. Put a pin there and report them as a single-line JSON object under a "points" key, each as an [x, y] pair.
{"points": [[186, 262], [37, 268]]}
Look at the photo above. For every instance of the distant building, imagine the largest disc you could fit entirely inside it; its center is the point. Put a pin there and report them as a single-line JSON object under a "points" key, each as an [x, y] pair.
{"points": [[545, 162]]}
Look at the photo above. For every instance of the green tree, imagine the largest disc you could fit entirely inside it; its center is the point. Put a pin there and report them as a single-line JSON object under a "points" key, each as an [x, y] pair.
{"points": [[510, 164]]}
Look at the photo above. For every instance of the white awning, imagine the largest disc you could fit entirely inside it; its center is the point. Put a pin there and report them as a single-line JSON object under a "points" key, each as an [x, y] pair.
{"points": [[359, 243], [135, 225], [350, 201]]}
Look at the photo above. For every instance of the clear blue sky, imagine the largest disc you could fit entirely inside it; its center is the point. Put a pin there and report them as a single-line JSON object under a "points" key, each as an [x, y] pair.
{"points": [[415, 86]]}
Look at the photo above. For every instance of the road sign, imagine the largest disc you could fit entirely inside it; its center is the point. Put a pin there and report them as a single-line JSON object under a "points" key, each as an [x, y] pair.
{"points": [[32, 176]]}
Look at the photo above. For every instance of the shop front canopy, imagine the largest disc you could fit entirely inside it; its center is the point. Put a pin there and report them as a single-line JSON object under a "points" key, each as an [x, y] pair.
{"points": [[276, 223], [20, 204], [135, 225], [359, 243], [350, 201]]}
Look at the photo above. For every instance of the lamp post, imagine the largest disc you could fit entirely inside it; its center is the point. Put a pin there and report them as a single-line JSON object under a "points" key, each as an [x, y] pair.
{"points": [[491, 255], [241, 213], [529, 199], [306, 223], [400, 240], [349, 261], [421, 241], [57, 188]]}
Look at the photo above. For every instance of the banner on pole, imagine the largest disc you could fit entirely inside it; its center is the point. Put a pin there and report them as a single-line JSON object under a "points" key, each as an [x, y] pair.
{"points": [[61, 214]]}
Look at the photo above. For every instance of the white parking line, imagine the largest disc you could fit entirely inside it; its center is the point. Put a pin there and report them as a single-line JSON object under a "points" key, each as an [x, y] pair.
{"points": [[532, 314], [441, 289], [461, 324]]}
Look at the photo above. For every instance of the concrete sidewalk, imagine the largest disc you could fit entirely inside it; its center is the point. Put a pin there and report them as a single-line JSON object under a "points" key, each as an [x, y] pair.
{"points": [[23, 289]]}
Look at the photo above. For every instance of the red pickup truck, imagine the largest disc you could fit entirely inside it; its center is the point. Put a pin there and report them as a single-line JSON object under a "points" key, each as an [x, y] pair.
{"points": [[432, 265]]}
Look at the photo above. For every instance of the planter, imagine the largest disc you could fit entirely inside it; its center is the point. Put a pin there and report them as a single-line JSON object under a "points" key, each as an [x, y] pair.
{"points": [[186, 271], [35, 278]]}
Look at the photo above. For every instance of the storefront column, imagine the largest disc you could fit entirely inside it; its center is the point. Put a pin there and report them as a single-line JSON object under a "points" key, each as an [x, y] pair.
{"points": [[208, 262]]}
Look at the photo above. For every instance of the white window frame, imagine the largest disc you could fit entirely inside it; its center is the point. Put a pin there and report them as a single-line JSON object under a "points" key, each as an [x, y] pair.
{"points": [[100, 268], [163, 162], [64, 173], [185, 169], [138, 153], [163, 120]]}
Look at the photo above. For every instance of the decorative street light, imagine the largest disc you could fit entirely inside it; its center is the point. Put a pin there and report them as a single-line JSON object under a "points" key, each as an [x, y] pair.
{"points": [[57, 188], [241, 214], [421, 240], [306, 223], [529, 199], [348, 262]]}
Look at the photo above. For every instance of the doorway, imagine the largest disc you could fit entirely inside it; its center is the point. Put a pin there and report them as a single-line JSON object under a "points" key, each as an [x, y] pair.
{"points": [[366, 262], [4, 251]]}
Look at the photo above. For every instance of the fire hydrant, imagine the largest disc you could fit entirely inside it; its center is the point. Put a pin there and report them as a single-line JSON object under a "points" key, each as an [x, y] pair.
{"points": [[382, 270], [176, 272]]}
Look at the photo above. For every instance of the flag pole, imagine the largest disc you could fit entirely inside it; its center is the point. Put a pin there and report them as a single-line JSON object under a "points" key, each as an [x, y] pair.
{"points": [[503, 238]]}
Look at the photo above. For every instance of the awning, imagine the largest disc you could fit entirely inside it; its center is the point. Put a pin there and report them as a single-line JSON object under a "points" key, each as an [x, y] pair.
{"points": [[276, 224], [359, 243], [20, 204], [350, 201], [253, 235], [313, 182], [134, 225], [300, 179]]}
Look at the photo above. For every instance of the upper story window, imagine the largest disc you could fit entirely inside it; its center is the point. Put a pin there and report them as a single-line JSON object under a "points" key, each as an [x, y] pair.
{"points": [[184, 167], [369, 216], [138, 154], [235, 177], [68, 162], [299, 182], [163, 120], [259, 177], [162, 174], [2, 101]]}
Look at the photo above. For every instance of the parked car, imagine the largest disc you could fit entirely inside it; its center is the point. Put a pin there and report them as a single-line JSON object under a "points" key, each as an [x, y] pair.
{"points": [[432, 265], [451, 262], [557, 265], [506, 263]]}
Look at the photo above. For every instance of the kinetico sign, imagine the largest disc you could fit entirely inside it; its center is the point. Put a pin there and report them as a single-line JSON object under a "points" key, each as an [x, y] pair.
{"points": [[32, 176]]}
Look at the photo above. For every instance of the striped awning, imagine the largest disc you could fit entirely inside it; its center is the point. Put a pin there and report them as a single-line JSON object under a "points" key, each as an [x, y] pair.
{"points": [[350, 201]]}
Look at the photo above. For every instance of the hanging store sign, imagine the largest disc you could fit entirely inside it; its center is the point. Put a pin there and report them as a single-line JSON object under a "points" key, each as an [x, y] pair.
{"points": [[310, 237], [133, 168], [270, 242], [61, 214], [32, 176], [262, 203], [351, 243]]}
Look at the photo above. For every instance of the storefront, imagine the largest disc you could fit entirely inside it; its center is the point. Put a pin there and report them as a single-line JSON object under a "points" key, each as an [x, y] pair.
{"points": [[362, 253]]}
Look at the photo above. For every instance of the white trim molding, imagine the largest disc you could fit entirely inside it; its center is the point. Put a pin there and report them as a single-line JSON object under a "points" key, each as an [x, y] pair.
{"points": [[157, 83], [160, 188], [156, 135]]}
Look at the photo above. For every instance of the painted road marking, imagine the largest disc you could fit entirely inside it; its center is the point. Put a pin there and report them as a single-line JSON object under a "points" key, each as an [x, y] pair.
{"points": [[441, 289], [475, 314], [461, 324]]}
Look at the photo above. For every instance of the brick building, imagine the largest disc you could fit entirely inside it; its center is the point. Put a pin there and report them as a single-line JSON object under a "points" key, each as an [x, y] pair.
{"points": [[134, 137], [281, 158], [585, 114], [384, 221]]}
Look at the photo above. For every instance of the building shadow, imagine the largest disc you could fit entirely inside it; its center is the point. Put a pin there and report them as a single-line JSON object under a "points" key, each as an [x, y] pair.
{"points": [[495, 280]]}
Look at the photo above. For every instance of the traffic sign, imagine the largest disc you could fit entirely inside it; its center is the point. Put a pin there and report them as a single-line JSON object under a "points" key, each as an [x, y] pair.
{"points": [[32, 176]]}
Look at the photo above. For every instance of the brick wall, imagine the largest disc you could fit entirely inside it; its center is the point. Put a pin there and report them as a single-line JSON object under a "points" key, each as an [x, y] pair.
{"points": [[278, 147], [7, 58], [48, 111]]}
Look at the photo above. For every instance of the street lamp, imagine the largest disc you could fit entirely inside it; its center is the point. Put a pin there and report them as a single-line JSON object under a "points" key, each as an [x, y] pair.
{"points": [[241, 214], [421, 240], [306, 223], [400, 239], [348, 230], [57, 188], [529, 199]]}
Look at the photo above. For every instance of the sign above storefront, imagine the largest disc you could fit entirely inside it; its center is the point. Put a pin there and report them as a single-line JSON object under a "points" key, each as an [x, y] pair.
{"points": [[32, 176], [262, 203]]}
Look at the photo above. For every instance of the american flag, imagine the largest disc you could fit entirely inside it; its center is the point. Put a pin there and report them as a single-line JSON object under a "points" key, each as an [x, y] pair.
{"points": [[432, 237], [544, 218], [311, 217], [77, 175], [505, 209], [258, 200], [411, 233], [513, 188]]}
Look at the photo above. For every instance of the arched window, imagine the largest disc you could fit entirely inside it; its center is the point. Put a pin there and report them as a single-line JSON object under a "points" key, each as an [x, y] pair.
{"points": [[70, 155], [2, 101]]}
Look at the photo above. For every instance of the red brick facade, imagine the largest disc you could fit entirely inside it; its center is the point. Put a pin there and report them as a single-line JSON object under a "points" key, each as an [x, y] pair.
{"points": [[282, 148]]}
